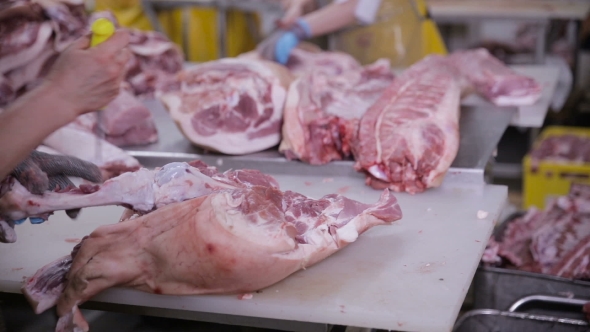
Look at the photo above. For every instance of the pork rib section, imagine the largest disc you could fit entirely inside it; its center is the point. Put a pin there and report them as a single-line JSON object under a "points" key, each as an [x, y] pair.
{"points": [[409, 138], [232, 106], [324, 106], [240, 238]]}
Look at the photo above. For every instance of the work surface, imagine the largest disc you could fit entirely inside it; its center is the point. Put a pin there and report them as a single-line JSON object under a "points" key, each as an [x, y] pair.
{"points": [[411, 276]]}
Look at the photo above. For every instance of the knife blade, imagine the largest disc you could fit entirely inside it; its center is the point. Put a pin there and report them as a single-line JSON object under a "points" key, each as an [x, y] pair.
{"points": [[102, 29]]}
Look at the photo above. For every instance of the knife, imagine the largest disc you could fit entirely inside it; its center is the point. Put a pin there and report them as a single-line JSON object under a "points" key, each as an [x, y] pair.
{"points": [[102, 29]]}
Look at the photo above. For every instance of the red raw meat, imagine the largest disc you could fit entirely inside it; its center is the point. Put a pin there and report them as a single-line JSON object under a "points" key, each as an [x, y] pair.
{"points": [[408, 139]]}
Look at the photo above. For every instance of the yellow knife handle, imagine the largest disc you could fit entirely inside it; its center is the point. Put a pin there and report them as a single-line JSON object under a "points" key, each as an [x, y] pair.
{"points": [[102, 29]]}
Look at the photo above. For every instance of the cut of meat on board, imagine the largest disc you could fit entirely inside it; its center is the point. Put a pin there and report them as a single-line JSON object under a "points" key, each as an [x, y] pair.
{"points": [[409, 138], [73, 141], [495, 81], [125, 122], [555, 241], [232, 106], [155, 60], [323, 109], [232, 239]]}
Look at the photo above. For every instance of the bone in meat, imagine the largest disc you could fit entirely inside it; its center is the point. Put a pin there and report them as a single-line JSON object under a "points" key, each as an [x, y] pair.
{"points": [[72, 141], [232, 106], [238, 239]]}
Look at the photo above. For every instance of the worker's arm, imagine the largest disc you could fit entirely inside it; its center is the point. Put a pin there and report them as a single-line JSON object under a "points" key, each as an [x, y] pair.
{"points": [[339, 14], [333, 17], [82, 80]]}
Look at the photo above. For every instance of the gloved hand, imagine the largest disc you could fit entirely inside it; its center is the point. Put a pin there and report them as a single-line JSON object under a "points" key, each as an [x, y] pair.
{"points": [[41, 172], [278, 46]]}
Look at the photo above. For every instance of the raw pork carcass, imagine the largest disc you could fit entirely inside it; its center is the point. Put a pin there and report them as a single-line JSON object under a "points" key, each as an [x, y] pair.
{"points": [[409, 138], [73, 141], [232, 106], [494, 80], [324, 106], [239, 237], [125, 122], [154, 62]]}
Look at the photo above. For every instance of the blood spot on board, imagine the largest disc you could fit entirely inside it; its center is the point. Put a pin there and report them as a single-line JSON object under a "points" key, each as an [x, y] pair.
{"points": [[17, 269], [307, 183], [73, 240], [210, 248], [400, 324], [420, 232], [157, 290], [343, 190]]}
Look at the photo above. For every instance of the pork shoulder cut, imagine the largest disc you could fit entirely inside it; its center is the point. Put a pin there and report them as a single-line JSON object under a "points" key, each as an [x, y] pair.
{"points": [[232, 106], [409, 138], [234, 237]]}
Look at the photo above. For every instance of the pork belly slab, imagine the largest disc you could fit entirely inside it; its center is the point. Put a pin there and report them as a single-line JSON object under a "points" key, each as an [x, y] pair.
{"points": [[214, 233]]}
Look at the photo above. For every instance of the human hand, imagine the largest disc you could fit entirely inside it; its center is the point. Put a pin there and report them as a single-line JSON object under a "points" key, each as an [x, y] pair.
{"points": [[87, 79], [41, 172], [294, 9], [278, 46]]}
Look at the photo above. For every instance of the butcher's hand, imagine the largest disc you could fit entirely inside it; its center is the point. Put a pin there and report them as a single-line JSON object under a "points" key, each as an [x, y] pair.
{"points": [[279, 45], [87, 79], [42, 172], [294, 9]]}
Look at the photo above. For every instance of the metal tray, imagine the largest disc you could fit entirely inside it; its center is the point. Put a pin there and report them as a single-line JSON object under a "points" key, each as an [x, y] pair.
{"points": [[488, 320], [481, 130], [499, 288]]}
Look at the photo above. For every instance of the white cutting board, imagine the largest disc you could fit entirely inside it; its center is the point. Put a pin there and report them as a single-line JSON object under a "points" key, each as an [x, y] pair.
{"points": [[411, 276]]}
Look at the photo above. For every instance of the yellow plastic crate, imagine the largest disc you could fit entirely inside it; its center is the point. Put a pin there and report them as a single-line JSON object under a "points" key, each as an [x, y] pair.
{"points": [[551, 179]]}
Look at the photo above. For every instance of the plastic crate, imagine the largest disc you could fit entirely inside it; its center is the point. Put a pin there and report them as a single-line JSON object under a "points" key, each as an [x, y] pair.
{"points": [[552, 178]]}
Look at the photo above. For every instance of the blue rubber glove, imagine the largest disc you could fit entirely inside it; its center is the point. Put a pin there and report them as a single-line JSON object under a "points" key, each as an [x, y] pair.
{"points": [[34, 221], [278, 46]]}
